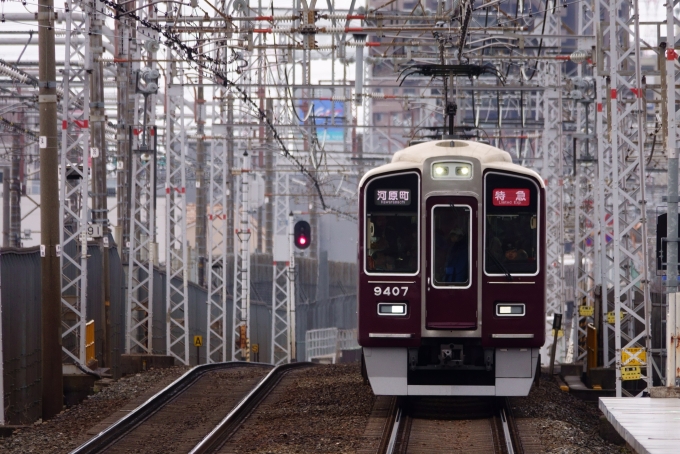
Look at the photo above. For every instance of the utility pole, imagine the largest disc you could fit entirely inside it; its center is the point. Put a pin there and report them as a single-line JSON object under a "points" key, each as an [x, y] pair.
{"points": [[672, 200], [201, 217], [15, 187], [291, 289], [52, 386], [99, 188], [231, 196], [269, 182], [5, 206]]}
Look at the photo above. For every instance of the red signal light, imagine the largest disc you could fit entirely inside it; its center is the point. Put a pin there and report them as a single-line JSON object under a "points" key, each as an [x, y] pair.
{"points": [[302, 234]]}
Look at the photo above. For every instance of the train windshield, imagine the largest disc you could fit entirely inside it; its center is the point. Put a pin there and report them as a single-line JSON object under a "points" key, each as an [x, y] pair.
{"points": [[392, 224], [451, 245], [511, 225]]}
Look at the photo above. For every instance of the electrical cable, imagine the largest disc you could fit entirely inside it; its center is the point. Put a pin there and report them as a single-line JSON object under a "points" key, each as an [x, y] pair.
{"points": [[173, 41]]}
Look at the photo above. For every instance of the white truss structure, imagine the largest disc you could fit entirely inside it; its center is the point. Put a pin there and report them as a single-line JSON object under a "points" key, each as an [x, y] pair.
{"points": [[587, 241], [281, 284], [176, 248], [218, 193], [670, 375], [587, 276], [552, 173], [139, 304], [240, 333], [75, 173], [142, 248], [621, 152]]}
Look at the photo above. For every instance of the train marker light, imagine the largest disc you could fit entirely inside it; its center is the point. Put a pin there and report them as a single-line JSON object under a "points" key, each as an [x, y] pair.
{"points": [[510, 310], [392, 308], [302, 234]]}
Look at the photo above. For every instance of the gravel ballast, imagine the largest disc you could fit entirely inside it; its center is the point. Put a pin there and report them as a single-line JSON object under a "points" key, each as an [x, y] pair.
{"points": [[564, 423], [321, 409], [318, 409], [71, 427]]}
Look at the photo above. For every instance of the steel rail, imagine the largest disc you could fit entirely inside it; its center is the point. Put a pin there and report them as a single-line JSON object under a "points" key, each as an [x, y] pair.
{"points": [[513, 430], [506, 432], [396, 431], [221, 433], [392, 443], [138, 416]]}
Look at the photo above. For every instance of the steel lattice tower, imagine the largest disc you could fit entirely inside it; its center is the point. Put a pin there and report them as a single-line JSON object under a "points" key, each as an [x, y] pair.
{"points": [[622, 180], [281, 283], [240, 333], [176, 260], [218, 195], [75, 175]]}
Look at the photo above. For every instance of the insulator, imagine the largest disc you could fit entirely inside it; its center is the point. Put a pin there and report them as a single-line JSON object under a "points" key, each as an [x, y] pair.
{"points": [[14, 74], [335, 29], [579, 56]]}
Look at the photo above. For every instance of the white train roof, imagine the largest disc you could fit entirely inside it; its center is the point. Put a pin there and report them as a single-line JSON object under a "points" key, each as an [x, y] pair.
{"points": [[489, 157]]}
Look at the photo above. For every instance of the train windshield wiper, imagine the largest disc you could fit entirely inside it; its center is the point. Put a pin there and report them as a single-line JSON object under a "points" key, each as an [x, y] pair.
{"points": [[502, 267]]}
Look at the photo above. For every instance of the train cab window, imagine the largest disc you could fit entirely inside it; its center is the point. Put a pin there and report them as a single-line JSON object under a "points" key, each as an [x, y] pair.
{"points": [[451, 245], [511, 225], [391, 223]]}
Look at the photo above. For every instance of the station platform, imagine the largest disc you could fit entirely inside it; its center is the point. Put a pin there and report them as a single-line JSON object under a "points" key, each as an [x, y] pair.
{"points": [[649, 425]]}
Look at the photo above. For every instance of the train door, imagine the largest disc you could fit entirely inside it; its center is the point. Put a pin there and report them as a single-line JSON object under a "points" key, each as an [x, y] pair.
{"points": [[451, 297]]}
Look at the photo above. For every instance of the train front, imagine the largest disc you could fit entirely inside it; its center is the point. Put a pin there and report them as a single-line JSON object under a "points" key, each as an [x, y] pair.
{"points": [[451, 272]]}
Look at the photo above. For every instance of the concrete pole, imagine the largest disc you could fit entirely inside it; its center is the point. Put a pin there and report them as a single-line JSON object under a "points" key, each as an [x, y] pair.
{"points": [[231, 197], [673, 355], [5, 206], [99, 187], [2, 363], [269, 182], [125, 119], [201, 214], [15, 190], [291, 294], [50, 276]]}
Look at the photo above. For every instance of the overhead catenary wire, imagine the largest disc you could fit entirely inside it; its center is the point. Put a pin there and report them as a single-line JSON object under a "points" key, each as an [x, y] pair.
{"points": [[174, 42]]}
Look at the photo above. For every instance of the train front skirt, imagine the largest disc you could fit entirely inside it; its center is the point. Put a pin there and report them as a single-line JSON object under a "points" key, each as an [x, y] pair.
{"points": [[512, 374]]}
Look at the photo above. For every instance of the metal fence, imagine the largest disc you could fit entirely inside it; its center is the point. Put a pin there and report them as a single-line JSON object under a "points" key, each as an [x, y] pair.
{"points": [[20, 303], [326, 298], [328, 343]]}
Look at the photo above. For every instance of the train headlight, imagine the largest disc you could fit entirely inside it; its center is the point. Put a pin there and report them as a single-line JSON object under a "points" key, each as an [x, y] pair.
{"points": [[441, 170], [463, 170], [451, 171]]}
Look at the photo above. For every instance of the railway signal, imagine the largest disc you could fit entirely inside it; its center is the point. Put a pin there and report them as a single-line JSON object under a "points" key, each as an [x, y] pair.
{"points": [[302, 234]]}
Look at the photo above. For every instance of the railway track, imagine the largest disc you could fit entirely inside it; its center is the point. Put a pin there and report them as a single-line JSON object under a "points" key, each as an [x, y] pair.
{"points": [[456, 425], [221, 434], [180, 415]]}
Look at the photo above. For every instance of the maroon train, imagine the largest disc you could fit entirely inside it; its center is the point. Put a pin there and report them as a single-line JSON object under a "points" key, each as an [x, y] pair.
{"points": [[451, 272]]}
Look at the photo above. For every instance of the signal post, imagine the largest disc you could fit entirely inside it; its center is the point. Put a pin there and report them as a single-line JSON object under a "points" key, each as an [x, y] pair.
{"points": [[291, 294]]}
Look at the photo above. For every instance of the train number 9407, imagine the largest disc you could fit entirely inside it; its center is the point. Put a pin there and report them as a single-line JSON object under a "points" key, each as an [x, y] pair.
{"points": [[390, 291]]}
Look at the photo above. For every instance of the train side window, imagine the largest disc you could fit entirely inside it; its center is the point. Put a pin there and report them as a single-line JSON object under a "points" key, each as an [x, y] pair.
{"points": [[451, 245], [391, 225], [511, 225]]}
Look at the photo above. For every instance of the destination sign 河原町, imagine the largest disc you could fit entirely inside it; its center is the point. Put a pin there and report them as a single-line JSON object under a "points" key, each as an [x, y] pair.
{"points": [[392, 197]]}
